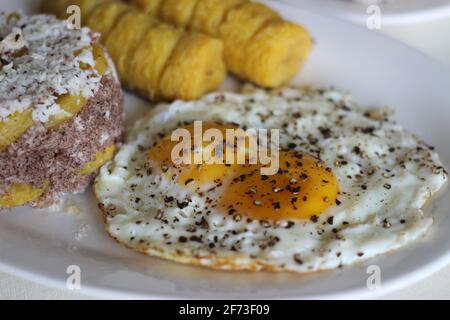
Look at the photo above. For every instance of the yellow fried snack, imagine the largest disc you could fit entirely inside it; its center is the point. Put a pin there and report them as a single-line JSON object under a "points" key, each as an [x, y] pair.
{"points": [[19, 194], [14, 127], [274, 65], [237, 30], [86, 6], [195, 66], [177, 12], [104, 16], [123, 39], [149, 6], [209, 14], [151, 56], [101, 158], [240, 23]]}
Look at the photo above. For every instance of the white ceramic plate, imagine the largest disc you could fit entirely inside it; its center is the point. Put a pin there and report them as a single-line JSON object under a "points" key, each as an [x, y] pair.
{"points": [[393, 11], [40, 245]]}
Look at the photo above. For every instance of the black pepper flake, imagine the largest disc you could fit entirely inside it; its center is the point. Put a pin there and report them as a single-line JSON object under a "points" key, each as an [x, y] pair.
{"points": [[203, 223], [338, 202], [330, 220], [326, 132], [168, 199], [297, 258], [182, 205], [195, 239], [314, 218], [360, 254], [293, 190], [290, 224], [367, 130], [387, 186], [191, 228], [182, 239], [357, 150]]}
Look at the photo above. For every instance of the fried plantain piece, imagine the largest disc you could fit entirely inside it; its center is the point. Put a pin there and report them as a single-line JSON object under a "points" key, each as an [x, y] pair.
{"points": [[273, 65], [195, 67], [149, 6], [177, 12], [238, 28], [104, 16], [251, 49], [209, 14], [86, 6], [124, 38], [152, 55]]}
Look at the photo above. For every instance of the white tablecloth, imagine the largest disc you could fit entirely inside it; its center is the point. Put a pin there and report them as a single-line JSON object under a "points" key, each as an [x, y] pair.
{"points": [[432, 38]]}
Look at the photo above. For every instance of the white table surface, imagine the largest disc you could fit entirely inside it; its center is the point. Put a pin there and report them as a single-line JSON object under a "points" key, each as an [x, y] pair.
{"points": [[433, 38]]}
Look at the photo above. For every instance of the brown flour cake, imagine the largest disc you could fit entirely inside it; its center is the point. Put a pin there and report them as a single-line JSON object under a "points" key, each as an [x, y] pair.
{"points": [[60, 109]]}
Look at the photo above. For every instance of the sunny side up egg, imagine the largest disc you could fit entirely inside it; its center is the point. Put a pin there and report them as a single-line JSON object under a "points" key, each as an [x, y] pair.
{"points": [[351, 184]]}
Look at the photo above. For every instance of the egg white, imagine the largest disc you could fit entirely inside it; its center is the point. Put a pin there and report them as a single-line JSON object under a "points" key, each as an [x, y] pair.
{"points": [[386, 175]]}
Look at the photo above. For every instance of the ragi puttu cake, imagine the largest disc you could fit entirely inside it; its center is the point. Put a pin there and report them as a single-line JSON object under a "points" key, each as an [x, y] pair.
{"points": [[61, 111]]}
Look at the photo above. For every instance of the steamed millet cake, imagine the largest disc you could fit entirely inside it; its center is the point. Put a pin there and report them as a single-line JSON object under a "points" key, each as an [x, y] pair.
{"points": [[351, 185], [60, 109]]}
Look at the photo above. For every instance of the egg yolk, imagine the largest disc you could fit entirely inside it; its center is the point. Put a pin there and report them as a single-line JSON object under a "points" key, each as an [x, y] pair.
{"points": [[197, 176], [302, 187]]}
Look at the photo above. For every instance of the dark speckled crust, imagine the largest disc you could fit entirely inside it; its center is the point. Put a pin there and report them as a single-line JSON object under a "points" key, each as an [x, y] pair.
{"points": [[57, 156]]}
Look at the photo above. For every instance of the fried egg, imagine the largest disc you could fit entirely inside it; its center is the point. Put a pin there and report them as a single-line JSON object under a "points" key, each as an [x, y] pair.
{"points": [[351, 184]]}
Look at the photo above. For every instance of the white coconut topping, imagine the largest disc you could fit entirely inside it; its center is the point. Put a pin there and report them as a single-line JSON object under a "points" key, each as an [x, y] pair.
{"points": [[39, 60]]}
